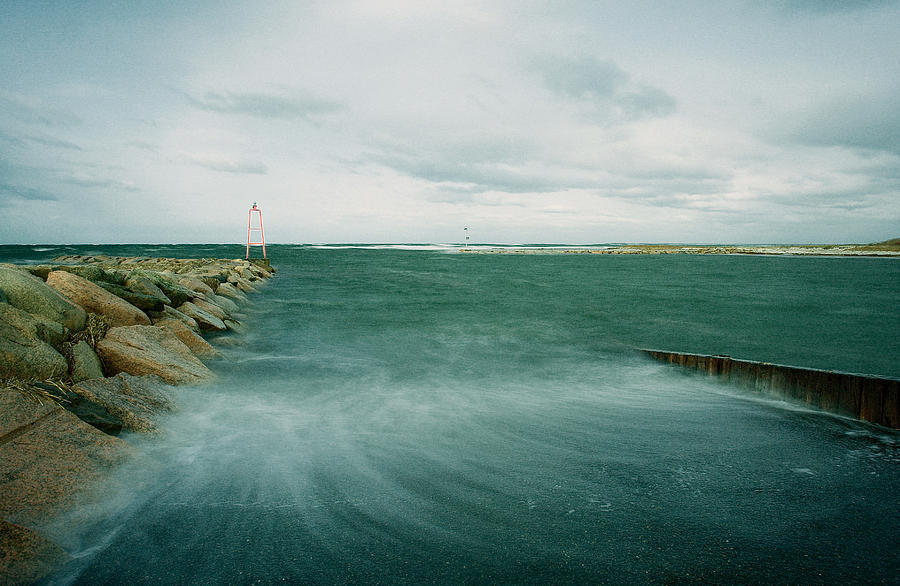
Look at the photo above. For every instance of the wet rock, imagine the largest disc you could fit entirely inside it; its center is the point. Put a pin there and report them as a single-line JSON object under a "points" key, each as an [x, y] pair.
{"points": [[26, 556], [141, 284], [213, 308], [142, 350], [96, 299], [139, 300], [85, 364], [235, 326], [89, 272], [29, 293], [40, 271], [225, 303], [175, 291], [232, 292], [194, 284], [135, 400], [212, 278], [23, 353], [172, 313], [241, 283], [47, 457], [200, 347], [204, 319], [94, 414]]}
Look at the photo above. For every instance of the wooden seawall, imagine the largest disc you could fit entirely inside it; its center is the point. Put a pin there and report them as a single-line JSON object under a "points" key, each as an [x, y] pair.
{"points": [[864, 397]]}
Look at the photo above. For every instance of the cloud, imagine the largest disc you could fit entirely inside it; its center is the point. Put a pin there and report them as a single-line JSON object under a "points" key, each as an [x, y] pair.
{"points": [[858, 122], [29, 193], [33, 111], [827, 6], [604, 87], [582, 77], [263, 105], [225, 164]]}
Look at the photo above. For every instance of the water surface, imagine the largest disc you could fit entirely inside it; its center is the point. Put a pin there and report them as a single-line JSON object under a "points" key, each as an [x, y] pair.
{"points": [[412, 416]]}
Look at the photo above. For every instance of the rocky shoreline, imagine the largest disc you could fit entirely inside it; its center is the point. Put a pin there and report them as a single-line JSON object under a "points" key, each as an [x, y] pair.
{"points": [[91, 346]]}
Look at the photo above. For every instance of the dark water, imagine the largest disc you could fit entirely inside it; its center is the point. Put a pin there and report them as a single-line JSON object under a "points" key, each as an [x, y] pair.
{"points": [[421, 417]]}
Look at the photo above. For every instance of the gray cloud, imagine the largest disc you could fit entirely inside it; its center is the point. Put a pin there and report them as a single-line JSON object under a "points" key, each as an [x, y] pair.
{"points": [[263, 105], [17, 191], [827, 6], [43, 140], [605, 87], [226, 165], [582, 77], [34, 112], [867, 122]]}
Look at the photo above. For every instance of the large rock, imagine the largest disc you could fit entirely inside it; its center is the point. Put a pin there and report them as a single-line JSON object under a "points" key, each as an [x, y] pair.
{"points": [[204, 319], [172, 313], [213, 308], [23, 352], [150, 350], [175, 291], [84, 363], [134, 400], [29, 293], [229, 290], [96, 299], [200, 347], [141, 284], [241, 283], [26, 556], [225, 303], [139, 300], [48, 457], [195, 284]]}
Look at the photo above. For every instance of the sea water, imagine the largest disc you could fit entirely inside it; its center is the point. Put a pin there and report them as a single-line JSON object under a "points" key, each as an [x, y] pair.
{"points": [[416, 415]]}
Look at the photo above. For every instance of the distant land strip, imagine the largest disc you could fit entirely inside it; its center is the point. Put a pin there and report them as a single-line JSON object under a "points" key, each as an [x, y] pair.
{"points": [[889, 248]]}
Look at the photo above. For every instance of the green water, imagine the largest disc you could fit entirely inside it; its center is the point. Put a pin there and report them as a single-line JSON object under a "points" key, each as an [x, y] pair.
{"points": [[401, 416]]}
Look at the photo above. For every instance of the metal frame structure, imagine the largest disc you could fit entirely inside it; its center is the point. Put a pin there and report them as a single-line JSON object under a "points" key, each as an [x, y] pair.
{"points": [[250, 230]]}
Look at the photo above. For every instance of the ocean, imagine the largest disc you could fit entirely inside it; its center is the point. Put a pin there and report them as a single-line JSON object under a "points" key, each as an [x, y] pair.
{"points": [[410, 415]]}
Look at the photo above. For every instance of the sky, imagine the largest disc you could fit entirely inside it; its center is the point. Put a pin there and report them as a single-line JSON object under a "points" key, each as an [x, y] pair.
{"points": [[734, 121]]}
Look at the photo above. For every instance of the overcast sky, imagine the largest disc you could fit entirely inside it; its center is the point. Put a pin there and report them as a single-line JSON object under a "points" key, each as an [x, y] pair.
{"points": [[408, 120]]}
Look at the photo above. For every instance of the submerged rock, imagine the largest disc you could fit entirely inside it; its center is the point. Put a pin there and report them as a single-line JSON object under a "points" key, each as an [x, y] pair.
{"points": [[96, 299], [151, 350], [29, 293]]}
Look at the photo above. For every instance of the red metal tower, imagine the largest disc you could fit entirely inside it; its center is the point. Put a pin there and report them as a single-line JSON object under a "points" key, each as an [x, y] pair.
{"points": [[251, 230]]}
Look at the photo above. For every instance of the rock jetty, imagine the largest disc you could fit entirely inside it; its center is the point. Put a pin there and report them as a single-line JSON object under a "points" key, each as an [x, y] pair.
{"points": [[89, 347]]}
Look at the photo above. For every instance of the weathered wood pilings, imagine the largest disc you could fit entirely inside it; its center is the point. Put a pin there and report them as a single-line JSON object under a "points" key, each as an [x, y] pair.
{"points": [[866, 397]]}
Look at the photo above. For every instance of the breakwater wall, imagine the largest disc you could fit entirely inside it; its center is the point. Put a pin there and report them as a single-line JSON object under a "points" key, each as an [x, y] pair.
{"points": [[865, 397], [92, 349]]}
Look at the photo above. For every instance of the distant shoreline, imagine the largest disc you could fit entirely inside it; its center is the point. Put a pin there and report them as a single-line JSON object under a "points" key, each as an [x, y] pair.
{"points": [[889, 249]]}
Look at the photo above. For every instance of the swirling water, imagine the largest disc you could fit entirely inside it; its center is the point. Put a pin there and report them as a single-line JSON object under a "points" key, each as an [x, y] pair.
{"points": [[414, 416]]}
